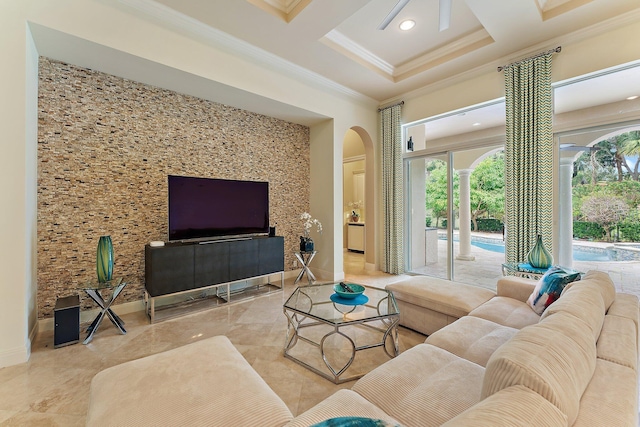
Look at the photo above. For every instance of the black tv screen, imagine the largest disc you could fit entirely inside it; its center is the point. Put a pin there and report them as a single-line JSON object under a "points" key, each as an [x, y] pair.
{"points": [[201, 208]]}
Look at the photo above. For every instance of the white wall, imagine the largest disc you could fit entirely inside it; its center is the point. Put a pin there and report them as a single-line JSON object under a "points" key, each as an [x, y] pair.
{"points": [[17, 190]]}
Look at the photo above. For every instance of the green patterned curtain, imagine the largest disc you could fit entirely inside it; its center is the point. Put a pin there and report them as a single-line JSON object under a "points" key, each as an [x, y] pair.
{"points": [[528, 156], [392, 185]]}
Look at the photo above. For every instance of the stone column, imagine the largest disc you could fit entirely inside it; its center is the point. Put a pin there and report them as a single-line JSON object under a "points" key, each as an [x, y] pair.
{"points": [[565, 214], [465, 216]]}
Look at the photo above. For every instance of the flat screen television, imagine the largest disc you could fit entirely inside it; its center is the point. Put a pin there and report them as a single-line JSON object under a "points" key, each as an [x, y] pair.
{"points": [[202, 208]]}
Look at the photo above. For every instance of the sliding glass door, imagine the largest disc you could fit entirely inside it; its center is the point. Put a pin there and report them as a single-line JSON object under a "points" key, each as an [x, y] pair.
{"points": [[427, 189], [455, 211]]}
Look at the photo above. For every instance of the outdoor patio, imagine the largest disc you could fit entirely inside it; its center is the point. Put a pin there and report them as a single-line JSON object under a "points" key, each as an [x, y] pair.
{"points": [[486, 269]]}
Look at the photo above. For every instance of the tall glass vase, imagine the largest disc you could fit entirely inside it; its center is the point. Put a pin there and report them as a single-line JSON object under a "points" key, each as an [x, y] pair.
{"points": [[104, 259]]}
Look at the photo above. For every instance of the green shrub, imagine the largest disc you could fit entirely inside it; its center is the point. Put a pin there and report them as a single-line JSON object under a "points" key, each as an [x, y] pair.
{"points": [[427, 221], [491, 225], [630, 227], [587, 230]]}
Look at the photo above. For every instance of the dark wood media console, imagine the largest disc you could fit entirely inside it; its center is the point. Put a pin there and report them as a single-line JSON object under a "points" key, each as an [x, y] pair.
{"points": [[182, 267]]}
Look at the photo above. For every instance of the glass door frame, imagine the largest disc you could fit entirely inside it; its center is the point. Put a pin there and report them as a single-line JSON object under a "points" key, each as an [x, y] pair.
{"points": [[406, 161]]}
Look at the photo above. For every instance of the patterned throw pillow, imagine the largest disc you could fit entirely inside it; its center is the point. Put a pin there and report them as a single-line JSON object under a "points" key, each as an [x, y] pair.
{"points": [[549, 288]]}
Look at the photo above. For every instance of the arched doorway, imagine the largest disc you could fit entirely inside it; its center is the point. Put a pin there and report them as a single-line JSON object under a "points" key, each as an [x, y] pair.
{"points": [[359, 196]]}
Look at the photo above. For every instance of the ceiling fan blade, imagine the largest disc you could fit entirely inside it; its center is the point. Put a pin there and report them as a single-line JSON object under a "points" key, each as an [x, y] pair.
{"points": [[445, 14], [394, 12]]}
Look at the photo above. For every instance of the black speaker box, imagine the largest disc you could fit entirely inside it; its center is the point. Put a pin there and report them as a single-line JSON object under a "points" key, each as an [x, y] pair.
{"points": [[66, 318]]}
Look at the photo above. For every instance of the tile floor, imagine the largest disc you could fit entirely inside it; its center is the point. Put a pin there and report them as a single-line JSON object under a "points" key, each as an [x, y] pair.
{"points": [[52, 389]]}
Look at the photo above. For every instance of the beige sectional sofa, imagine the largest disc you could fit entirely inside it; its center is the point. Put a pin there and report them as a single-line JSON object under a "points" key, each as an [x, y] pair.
{"points": [[576, 365]]}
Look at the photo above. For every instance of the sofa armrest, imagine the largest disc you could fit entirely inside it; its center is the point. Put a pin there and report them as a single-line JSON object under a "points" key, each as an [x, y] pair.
{"points": [[517, 288]]}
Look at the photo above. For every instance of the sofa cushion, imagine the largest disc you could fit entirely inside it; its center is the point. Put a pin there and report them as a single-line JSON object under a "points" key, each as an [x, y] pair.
{"points": [[611, 398], [625, 305], [472, 338], [507, 312], [583, 301], [603, 283], [424, 386], [515, 287], [555, 358], [549, 288], [444, 296], [423, 320], [343, 403], [525, 408], [204, 383], [615, 343]]}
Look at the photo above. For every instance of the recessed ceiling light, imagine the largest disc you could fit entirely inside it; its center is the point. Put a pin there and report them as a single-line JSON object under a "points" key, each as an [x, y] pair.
{"points": [[407, 24], [631, 98], [476, 124]]}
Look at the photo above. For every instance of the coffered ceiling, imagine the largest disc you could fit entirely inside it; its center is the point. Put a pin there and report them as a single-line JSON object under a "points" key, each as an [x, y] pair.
{"points": [[339, 40], [337, 44]]}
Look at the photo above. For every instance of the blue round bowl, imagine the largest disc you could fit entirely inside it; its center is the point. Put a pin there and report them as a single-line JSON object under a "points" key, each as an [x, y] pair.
{"points": [[357, 290]]}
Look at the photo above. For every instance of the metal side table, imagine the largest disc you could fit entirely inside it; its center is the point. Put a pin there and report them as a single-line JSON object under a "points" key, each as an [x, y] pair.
{"points": [[305, 259], [93, 290]]}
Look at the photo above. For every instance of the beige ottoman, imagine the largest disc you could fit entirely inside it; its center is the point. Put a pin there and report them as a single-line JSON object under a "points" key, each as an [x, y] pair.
{"points": [[207, 383], [427, 303]]}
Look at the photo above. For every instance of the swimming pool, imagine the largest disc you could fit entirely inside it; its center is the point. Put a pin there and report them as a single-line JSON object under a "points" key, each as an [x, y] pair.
{"points": [[578, 253]]}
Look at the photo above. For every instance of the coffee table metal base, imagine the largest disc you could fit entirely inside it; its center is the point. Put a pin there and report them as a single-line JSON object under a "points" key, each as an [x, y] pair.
{"points": [[298, 321]]}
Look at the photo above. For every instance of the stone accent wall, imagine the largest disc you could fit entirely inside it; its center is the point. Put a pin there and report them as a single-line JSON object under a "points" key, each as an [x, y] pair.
{"points": [[105, 148]]}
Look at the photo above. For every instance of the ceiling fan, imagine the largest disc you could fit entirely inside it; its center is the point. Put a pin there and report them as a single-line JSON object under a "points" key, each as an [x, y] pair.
{"points": [[444, 18]]}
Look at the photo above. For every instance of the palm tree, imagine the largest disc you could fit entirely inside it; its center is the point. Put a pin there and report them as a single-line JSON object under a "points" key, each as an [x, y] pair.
{"points": [[630, 146]]}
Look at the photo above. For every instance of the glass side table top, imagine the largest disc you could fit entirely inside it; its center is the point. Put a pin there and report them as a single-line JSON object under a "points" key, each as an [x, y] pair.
{"points": [[314, 301], [525, 270], [98, 286]]}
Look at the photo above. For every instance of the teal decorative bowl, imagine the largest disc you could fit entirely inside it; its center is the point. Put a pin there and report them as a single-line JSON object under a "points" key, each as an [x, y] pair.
{"points": [[357, 290]]}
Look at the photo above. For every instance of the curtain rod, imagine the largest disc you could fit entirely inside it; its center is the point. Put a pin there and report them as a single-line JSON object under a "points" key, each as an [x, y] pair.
{"points": [[556, 50], [389, 106]]}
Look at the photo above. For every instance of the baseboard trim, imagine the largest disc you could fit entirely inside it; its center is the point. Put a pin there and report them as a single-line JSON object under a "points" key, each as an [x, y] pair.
{"points": [[370, 267], [15, 356]]}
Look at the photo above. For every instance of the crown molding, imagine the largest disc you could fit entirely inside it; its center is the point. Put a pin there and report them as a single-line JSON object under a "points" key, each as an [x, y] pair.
{"points": [[353, 49], [223, 41]]}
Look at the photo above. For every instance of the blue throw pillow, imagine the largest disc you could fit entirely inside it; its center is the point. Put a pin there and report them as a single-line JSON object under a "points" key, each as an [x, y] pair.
{"points": [[549, 288]]}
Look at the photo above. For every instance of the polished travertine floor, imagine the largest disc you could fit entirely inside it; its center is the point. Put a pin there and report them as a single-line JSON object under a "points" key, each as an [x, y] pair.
{"points": [[53, 387]]}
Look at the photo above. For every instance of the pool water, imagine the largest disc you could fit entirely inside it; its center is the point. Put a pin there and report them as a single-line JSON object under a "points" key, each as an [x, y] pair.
{"points": [[578, 255]]}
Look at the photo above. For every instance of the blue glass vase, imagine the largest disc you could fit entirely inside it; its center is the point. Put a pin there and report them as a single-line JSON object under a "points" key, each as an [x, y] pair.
{"points": [[104, 259], [306, 244], [539, 256]]}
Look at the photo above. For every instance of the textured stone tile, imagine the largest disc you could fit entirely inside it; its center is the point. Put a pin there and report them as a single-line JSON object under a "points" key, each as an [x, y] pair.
{"points": [[105, 148]]}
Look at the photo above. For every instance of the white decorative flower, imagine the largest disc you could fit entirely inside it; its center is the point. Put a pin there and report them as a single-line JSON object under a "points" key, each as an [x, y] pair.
{"points": [[356, 205], [308, 222]]}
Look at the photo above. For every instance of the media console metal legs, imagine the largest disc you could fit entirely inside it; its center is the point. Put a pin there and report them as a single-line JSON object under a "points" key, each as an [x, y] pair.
{"points": [[150, 301], [104, 305]]}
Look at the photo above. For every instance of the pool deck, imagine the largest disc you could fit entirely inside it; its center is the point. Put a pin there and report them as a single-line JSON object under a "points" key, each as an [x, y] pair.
{"points": [[486, 269]]}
